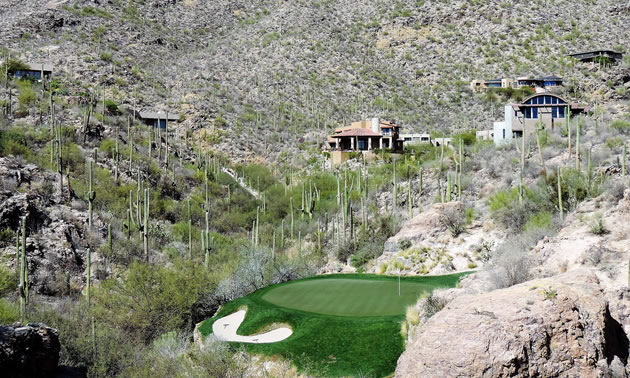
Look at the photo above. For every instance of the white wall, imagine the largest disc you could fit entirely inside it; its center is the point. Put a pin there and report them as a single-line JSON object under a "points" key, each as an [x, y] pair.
{"points": [[504, 128]]}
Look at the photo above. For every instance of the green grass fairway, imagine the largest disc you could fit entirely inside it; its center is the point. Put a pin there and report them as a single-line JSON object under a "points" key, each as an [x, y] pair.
{"points": [[348, 297], [344, 325]]}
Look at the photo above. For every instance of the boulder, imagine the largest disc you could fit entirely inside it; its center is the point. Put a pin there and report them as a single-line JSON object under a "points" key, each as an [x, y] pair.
{"points": [[559, 326], [29, 351], [426, 224]]}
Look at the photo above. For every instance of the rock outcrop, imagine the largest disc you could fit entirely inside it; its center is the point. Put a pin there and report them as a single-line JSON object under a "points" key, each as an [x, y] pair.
{"points": [[439, 241], [559, 326], [57, 228], [28, 351]]}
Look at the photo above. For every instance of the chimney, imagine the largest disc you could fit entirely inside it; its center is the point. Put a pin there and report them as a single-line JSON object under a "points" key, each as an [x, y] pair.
{"points": [[376, 123]]}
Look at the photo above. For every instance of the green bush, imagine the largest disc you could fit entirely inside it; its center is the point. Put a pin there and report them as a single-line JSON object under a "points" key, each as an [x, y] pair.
{"points": [[13, 142], [621, 125], [27, 94], [106, 56], [8, 281], [9, 312], [539, 220], [111, 106]]}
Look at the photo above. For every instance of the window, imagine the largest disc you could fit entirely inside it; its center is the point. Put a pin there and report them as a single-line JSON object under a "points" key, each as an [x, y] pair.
{"points": [[534, 112], [363, 144], [516, 114], [561, 111], [554, 112], [503, 133], [528, 112], [554, 100]]}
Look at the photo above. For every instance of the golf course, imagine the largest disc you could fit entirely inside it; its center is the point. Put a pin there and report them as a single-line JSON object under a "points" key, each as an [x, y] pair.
{"points": [[343, 325]]}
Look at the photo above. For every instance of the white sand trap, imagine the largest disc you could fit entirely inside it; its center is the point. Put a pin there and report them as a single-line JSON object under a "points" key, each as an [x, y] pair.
{"points": [[226, 327]]}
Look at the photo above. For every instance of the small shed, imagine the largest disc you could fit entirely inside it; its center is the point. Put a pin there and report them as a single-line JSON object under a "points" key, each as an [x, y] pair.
{"points": [[36, 71], [158, 118]]}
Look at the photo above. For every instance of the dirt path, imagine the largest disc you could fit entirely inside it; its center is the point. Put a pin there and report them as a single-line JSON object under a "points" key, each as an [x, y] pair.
{"points": [[241, 182]]}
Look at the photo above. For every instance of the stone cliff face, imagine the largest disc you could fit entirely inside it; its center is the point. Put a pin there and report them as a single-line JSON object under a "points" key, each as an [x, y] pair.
{"points": [[559, 326], [28, 351], [57, 230]]}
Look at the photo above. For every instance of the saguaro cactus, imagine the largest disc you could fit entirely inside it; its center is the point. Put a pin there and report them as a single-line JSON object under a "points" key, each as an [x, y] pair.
{"points": [[623, 160], [145, 227], [560, 193], [89, 275], [90, 195], [23, 284], [395, 190], [577, 145], [568, 117]]}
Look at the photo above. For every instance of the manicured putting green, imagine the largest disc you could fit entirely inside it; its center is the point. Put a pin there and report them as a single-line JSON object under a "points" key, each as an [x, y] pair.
{"points": [[343, 324], [348, 297]]}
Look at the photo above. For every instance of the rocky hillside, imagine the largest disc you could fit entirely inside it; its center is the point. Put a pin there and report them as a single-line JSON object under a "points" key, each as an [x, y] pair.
{"points": [[266, 76]]}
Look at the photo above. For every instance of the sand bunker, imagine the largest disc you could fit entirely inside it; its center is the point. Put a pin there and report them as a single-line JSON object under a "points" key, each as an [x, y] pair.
{"points": [[226, 327]]}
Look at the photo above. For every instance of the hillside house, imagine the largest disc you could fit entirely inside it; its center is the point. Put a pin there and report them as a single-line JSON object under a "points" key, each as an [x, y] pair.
{"points": [[35, 71], [157, 118], [598, 56], [546, 108], [415, 138], [543, 84], [364, 137]]}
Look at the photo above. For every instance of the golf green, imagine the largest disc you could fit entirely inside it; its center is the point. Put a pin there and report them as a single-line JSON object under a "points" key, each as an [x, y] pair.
{"points": [[348, 297], [343, 324]]}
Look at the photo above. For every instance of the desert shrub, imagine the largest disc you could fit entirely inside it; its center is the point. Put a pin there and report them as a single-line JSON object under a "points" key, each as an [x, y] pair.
{"points": [[111, 106], [8, 281], [432, 304], [614, 189], [9, 312], [26, 94], [468, 137], [506, 208], [412, 315], [597, 226], [404, 244], [151, 300], [14, 142], [404, 329], [539, 220], [15, 65], [620, 125], [511, 263], [454, 221]]}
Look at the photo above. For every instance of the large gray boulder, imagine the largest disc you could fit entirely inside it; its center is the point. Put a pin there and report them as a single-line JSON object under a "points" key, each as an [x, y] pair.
{"points": [[560, 326], [28, 351]]}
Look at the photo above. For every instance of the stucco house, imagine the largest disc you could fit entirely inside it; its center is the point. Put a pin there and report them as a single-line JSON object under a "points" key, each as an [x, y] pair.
{"points": [[364, 137], [539, 84], [547, 108]]}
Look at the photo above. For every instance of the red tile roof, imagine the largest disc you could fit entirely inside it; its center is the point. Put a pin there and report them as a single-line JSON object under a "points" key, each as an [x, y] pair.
{"points": [[357, 133]]}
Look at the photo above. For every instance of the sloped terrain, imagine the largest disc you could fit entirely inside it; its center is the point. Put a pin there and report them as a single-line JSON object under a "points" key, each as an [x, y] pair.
{"points": [[274, 74]]}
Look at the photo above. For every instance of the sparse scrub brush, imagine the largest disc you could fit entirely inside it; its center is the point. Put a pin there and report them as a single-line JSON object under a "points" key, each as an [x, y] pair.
{"points": [[412, 315]]}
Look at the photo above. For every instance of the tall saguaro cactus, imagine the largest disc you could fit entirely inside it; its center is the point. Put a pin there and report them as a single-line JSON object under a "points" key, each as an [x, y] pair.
{"points": [[560, 193], [23, 284], [89, 275], [90, 195], [145, 227]]}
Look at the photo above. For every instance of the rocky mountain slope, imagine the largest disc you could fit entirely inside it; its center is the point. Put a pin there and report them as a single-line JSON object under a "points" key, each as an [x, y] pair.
{"points": [[267, 76]]}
